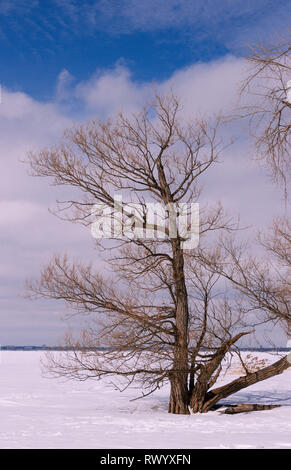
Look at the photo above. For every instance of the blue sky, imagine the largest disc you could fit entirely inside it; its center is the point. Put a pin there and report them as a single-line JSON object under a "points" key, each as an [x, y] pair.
{"points": [[64, 61], [153, 38]]}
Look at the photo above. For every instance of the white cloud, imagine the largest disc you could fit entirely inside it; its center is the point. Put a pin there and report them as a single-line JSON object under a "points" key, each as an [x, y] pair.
{"points": [[205, 88], [29, 234], [64, 82], [209, 88], [111, 91]]}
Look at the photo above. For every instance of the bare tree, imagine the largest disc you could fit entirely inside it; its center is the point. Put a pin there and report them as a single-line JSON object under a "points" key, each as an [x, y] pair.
{"points": [[269, 83], [162, 312], [264, 281]]}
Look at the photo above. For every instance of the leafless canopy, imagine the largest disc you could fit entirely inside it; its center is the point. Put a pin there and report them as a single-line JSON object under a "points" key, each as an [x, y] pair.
{"points": [[270, 111], [163, 313]]}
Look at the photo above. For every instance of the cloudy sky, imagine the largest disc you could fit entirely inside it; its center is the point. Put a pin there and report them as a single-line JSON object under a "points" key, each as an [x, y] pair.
{"points": [[65, 61]]}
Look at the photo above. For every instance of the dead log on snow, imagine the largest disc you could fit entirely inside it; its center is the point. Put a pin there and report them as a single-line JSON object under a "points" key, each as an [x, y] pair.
{"points": [[247, 407]]}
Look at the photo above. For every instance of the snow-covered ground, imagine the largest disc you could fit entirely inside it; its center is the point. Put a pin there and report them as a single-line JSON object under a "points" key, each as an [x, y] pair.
{"points": [[38, 412]]}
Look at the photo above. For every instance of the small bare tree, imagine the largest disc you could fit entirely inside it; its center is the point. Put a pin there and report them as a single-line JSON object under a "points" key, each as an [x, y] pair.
{"points": [[161, 312], [269, 83], [264, 281]]}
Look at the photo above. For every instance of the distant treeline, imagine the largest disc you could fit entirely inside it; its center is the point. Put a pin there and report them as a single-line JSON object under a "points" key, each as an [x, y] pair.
{"points": [[44, 348], [61, 348]]}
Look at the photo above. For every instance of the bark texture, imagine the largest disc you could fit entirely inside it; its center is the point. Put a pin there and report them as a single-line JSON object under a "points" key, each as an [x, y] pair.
{"points": [[247, 407]]}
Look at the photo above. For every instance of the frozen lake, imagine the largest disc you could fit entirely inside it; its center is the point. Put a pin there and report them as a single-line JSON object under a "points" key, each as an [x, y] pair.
{"points": [[37, 412]]}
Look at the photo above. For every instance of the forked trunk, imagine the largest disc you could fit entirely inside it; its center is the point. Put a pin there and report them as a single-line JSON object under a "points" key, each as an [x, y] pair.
{"points": [[204, 402], [215, 395], [197, 400]]}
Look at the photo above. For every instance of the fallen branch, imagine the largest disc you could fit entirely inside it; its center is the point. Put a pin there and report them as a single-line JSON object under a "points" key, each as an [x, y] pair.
{"points": [[247, 407]]}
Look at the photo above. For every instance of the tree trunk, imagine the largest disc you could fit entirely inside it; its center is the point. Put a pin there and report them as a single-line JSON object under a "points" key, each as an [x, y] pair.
{"points": [[198, 395], [179, 398], [208, 373], [242, 382]]}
